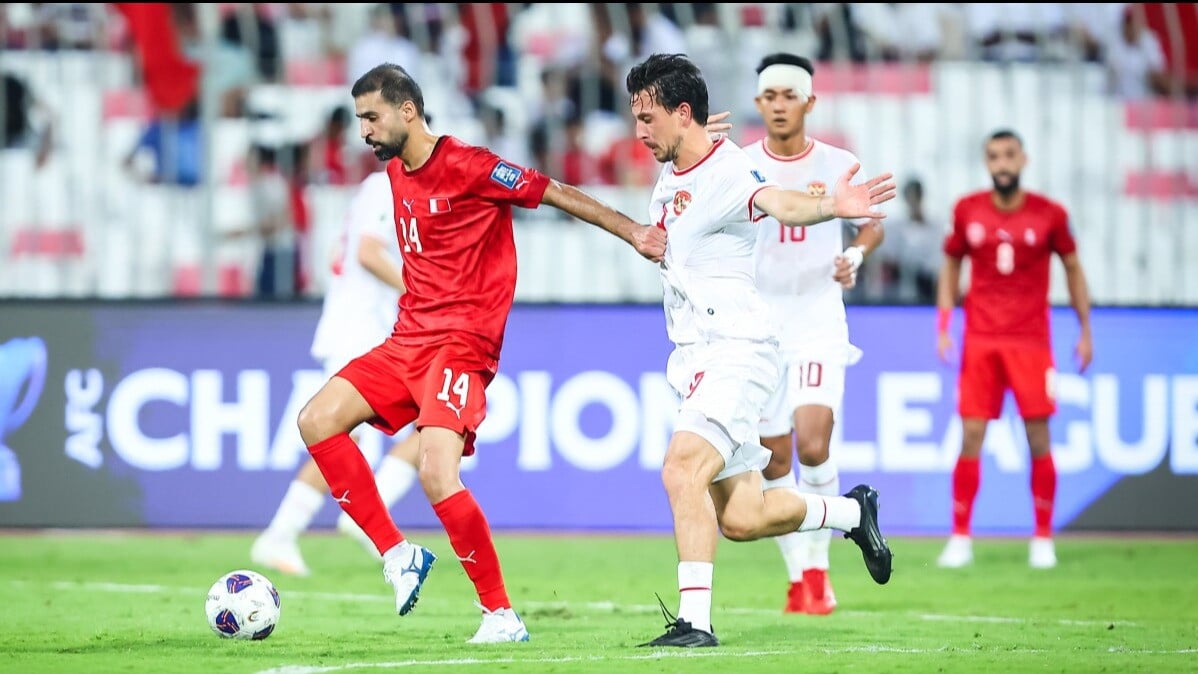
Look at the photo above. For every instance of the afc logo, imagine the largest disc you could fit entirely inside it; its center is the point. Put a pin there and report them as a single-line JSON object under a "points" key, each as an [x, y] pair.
{"points": [[682, 199], [817, 188], [507, 175]]}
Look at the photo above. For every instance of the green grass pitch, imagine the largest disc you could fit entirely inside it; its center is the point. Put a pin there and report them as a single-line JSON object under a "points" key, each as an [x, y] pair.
{"points": [[83, 602]]}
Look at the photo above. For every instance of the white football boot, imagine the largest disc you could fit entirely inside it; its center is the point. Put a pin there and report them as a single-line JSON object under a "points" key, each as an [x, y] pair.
{"points": [[278, 554], [499, 626], [958, 552], [1041, 553], [406, 573]]}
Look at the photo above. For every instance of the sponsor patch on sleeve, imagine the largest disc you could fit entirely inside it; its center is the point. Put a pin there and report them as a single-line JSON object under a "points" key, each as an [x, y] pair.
{"points": [[507, 175]]}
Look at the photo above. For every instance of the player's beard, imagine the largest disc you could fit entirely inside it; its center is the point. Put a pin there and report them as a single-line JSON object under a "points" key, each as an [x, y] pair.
{"points": [[388, 151], [1006, 187], [665, 154]]}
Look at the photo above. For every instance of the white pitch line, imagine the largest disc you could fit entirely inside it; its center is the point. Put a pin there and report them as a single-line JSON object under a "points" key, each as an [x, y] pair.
{"points": [[659, 655], [308, 669], [593, 606]]}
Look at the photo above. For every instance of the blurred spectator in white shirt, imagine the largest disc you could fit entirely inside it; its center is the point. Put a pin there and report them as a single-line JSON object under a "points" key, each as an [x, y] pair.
{"points": [[1134, 59], [385, 42], [1015, 31], [900, 32]]}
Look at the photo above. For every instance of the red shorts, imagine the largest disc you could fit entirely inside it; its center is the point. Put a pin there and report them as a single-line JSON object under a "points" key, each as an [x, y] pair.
{"points": [[441, 384], [989, 369]]}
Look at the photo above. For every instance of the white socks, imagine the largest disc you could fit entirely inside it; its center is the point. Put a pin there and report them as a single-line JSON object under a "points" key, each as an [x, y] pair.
{"points": [[694, 589], [794, 554], [807, 548], [823, 480], [394, 478], [830, 512], [299, 505], [401, 550]]}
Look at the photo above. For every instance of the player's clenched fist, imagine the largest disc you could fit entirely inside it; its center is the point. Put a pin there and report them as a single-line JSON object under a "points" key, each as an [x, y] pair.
{"points": [[650, 242]]}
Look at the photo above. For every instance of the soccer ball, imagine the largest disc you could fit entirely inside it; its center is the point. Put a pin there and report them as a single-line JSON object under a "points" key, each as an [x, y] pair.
{"points": [[242, 604]]}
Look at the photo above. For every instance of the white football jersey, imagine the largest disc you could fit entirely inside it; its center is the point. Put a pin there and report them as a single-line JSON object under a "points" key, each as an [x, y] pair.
{"points": [[708, 271], [359, 310], [795, 264]]}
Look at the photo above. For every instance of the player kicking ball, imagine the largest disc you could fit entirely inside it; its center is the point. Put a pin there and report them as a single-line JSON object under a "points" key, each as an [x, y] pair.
{"points": [[452, 206], [357, 313]]}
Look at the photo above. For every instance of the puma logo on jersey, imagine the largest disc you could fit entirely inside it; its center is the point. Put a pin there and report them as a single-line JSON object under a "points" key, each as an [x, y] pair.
{"points": [[343, 499], [457, 411], [408, 203], [817, 188]]}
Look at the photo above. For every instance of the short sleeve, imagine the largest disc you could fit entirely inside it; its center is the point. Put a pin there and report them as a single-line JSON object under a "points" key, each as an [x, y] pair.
{"points": [[1060, 238], [502, 181], [954, 243], [734, 190]]}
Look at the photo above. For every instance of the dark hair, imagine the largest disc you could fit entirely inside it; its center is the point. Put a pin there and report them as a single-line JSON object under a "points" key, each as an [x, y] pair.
{"points": [[17, 101], [394, 83], [1003, 134], [671, 80], [786, 59], [341, 115]]}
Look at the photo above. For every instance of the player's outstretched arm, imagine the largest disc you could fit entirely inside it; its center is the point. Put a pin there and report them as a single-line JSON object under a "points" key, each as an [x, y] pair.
{"points": [[649, 241], [848, 200], [1079, 297], [947, 286]]}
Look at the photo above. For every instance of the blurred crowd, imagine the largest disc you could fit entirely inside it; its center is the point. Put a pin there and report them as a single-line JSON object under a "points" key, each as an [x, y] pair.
{"points": [[543, 83]]}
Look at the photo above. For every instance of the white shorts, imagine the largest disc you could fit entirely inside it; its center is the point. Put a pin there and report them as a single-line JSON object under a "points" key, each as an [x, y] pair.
{"points": [[724, 386], [811, 376]]}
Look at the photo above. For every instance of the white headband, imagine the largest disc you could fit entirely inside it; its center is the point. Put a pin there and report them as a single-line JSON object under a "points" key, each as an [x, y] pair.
{"points": [[785, 76]]}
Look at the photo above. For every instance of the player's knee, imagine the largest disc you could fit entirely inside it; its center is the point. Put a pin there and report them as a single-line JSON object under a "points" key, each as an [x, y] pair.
{"points": [[438, 478], [316, 423], [675, 472], [813, 450], [736, 526], [972, 436]]}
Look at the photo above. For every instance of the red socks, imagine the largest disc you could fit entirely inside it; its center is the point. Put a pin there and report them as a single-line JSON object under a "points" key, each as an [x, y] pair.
{"points": [[352, 484], [966, 478], [1044, 492], [470, 536]]}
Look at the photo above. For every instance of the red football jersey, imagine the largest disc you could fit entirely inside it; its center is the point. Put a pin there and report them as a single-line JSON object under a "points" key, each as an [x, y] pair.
{"points": [[453, 216], [1010, 254]]}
